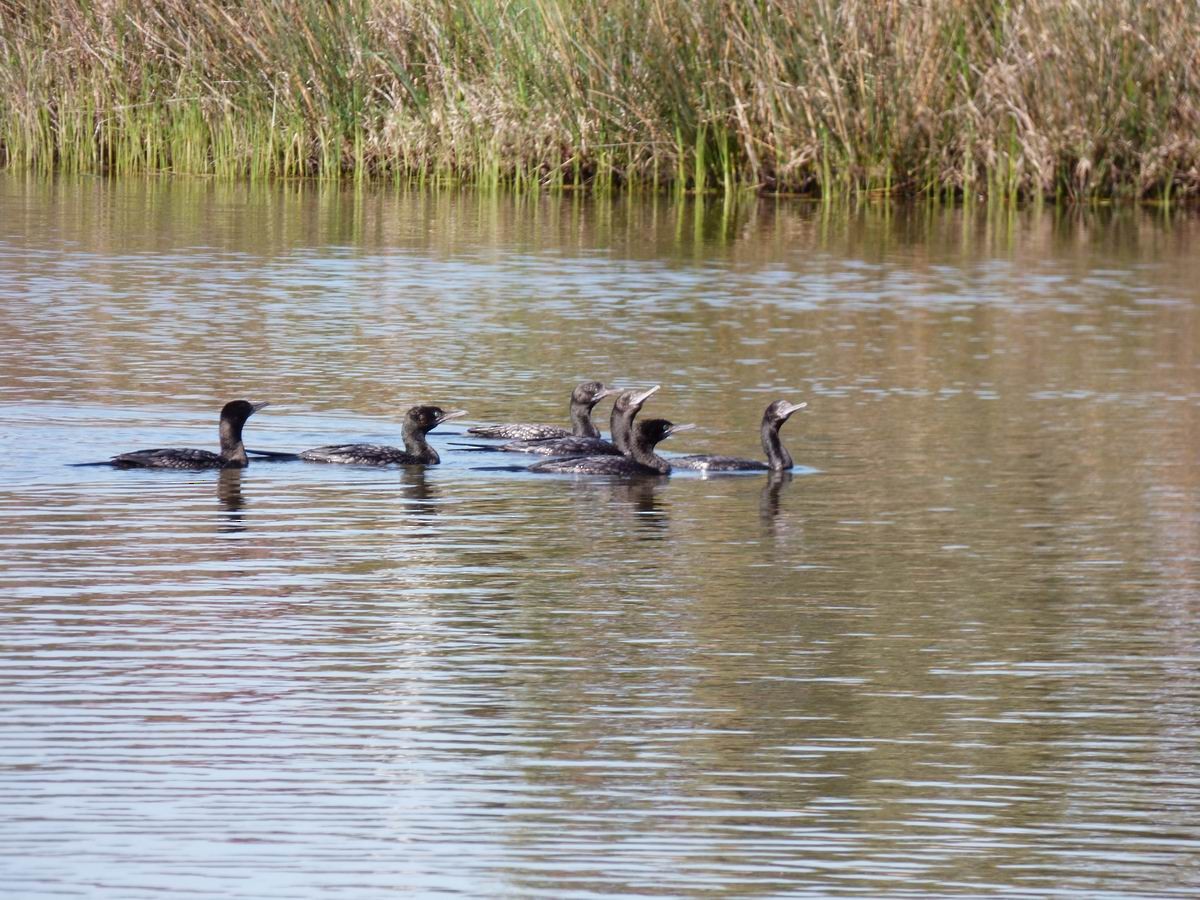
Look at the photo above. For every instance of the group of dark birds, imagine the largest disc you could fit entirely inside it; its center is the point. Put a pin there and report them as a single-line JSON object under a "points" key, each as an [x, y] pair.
{"points": [[630, 450]]}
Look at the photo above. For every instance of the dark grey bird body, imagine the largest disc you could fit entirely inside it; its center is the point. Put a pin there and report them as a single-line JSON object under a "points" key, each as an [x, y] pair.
{"points": [[232, 456], [778, 458], [713, 463], [418, 421], [642, 460], [521, 432], [620, 423], [175, 458], [583, 399]]}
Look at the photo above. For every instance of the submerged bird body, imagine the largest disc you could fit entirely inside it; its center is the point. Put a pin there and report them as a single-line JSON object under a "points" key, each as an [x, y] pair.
{"points": [[778, 458], [642, 460], [583, 399], [418, 422], [620, 423], [232, 456]]}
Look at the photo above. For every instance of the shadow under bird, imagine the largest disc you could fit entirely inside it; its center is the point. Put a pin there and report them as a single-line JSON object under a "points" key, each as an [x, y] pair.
{"points": [[583, 400], [418, 422], [642, 460], [778, 458], [232, 456], [620, 423]]}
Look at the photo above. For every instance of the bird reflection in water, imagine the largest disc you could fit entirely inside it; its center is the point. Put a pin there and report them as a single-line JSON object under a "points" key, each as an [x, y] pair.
{"points": [[642, 494], [768, 502], [229, 495], [420, 495]]}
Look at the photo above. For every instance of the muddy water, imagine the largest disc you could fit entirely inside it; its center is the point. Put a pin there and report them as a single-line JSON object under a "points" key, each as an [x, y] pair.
{"points": [[956, 652]]}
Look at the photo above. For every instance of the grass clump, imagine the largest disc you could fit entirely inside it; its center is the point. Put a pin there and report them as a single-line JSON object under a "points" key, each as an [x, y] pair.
{"points": [[1091, 99]]}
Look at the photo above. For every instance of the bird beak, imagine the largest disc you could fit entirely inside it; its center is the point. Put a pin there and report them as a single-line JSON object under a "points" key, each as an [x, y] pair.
{"points": [[792, 407], [677, 428], [456, 414], [255, 407], [644, 395], [608, 392]]}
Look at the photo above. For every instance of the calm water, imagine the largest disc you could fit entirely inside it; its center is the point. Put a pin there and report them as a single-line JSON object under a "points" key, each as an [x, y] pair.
{"points": [[958, 653]]}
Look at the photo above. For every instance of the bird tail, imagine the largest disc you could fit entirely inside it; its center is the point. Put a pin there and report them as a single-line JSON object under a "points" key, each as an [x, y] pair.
{"points": [[474, 448], [499, 468], [107, 462], [272, 455]]}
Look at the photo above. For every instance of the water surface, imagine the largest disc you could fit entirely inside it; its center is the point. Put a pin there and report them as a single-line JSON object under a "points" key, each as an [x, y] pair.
{"points": [[957, 653]]}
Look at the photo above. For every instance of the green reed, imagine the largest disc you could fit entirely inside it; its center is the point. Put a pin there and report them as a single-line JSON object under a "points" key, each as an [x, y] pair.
{"points": [[948, 98]]}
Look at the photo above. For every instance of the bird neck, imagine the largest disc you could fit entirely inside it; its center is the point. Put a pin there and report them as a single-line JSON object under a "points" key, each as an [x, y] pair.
{"points": [[233, 452], [416, 445], [620, 425], [581, 420], [778, 457], [645, 455]]}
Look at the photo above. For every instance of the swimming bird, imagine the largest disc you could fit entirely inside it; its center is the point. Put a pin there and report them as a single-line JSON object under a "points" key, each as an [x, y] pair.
{"points": [[232, 456], [778, 458], [620, 423], [418, 421], [583, 399], [642, 460]]}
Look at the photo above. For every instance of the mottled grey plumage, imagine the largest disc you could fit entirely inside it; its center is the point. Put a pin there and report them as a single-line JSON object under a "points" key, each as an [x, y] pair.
{"points": [[583, 399], [712, 463], [563, 446], [520, 432], [172, 458], [418, 421], [233, 455], [778, 458]]}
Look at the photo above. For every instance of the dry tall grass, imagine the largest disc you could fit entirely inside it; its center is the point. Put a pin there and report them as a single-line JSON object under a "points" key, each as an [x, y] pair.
{"points": [[1030, 98]]}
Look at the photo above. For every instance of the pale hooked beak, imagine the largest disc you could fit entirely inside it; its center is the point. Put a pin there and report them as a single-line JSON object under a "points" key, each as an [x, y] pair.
{"points": [[674, 429], [638, 399], [608, 392], [255, 407], [792, 407], [454, 414]]}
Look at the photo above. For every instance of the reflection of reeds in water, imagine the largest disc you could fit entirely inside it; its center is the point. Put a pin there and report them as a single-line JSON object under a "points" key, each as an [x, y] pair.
{"points": [[863, 95]]}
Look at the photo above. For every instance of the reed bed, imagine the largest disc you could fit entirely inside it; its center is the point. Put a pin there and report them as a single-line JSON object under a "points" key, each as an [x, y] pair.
{"points": [[1069, 99]]}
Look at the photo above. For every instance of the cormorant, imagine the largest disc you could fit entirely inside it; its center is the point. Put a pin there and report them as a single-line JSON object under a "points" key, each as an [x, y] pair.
{"points": [[778, 459], [418, 422], [232, 456]]}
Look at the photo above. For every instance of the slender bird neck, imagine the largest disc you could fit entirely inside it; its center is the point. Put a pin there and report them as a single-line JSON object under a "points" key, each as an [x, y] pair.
{"points": [[581, 420], [233, 453], [645, 455], [778, 457], [416, 445], [620, 426]]}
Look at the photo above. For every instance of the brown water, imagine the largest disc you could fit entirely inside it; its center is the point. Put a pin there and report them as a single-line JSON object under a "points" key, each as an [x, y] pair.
{"points": [[957, 653]]}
